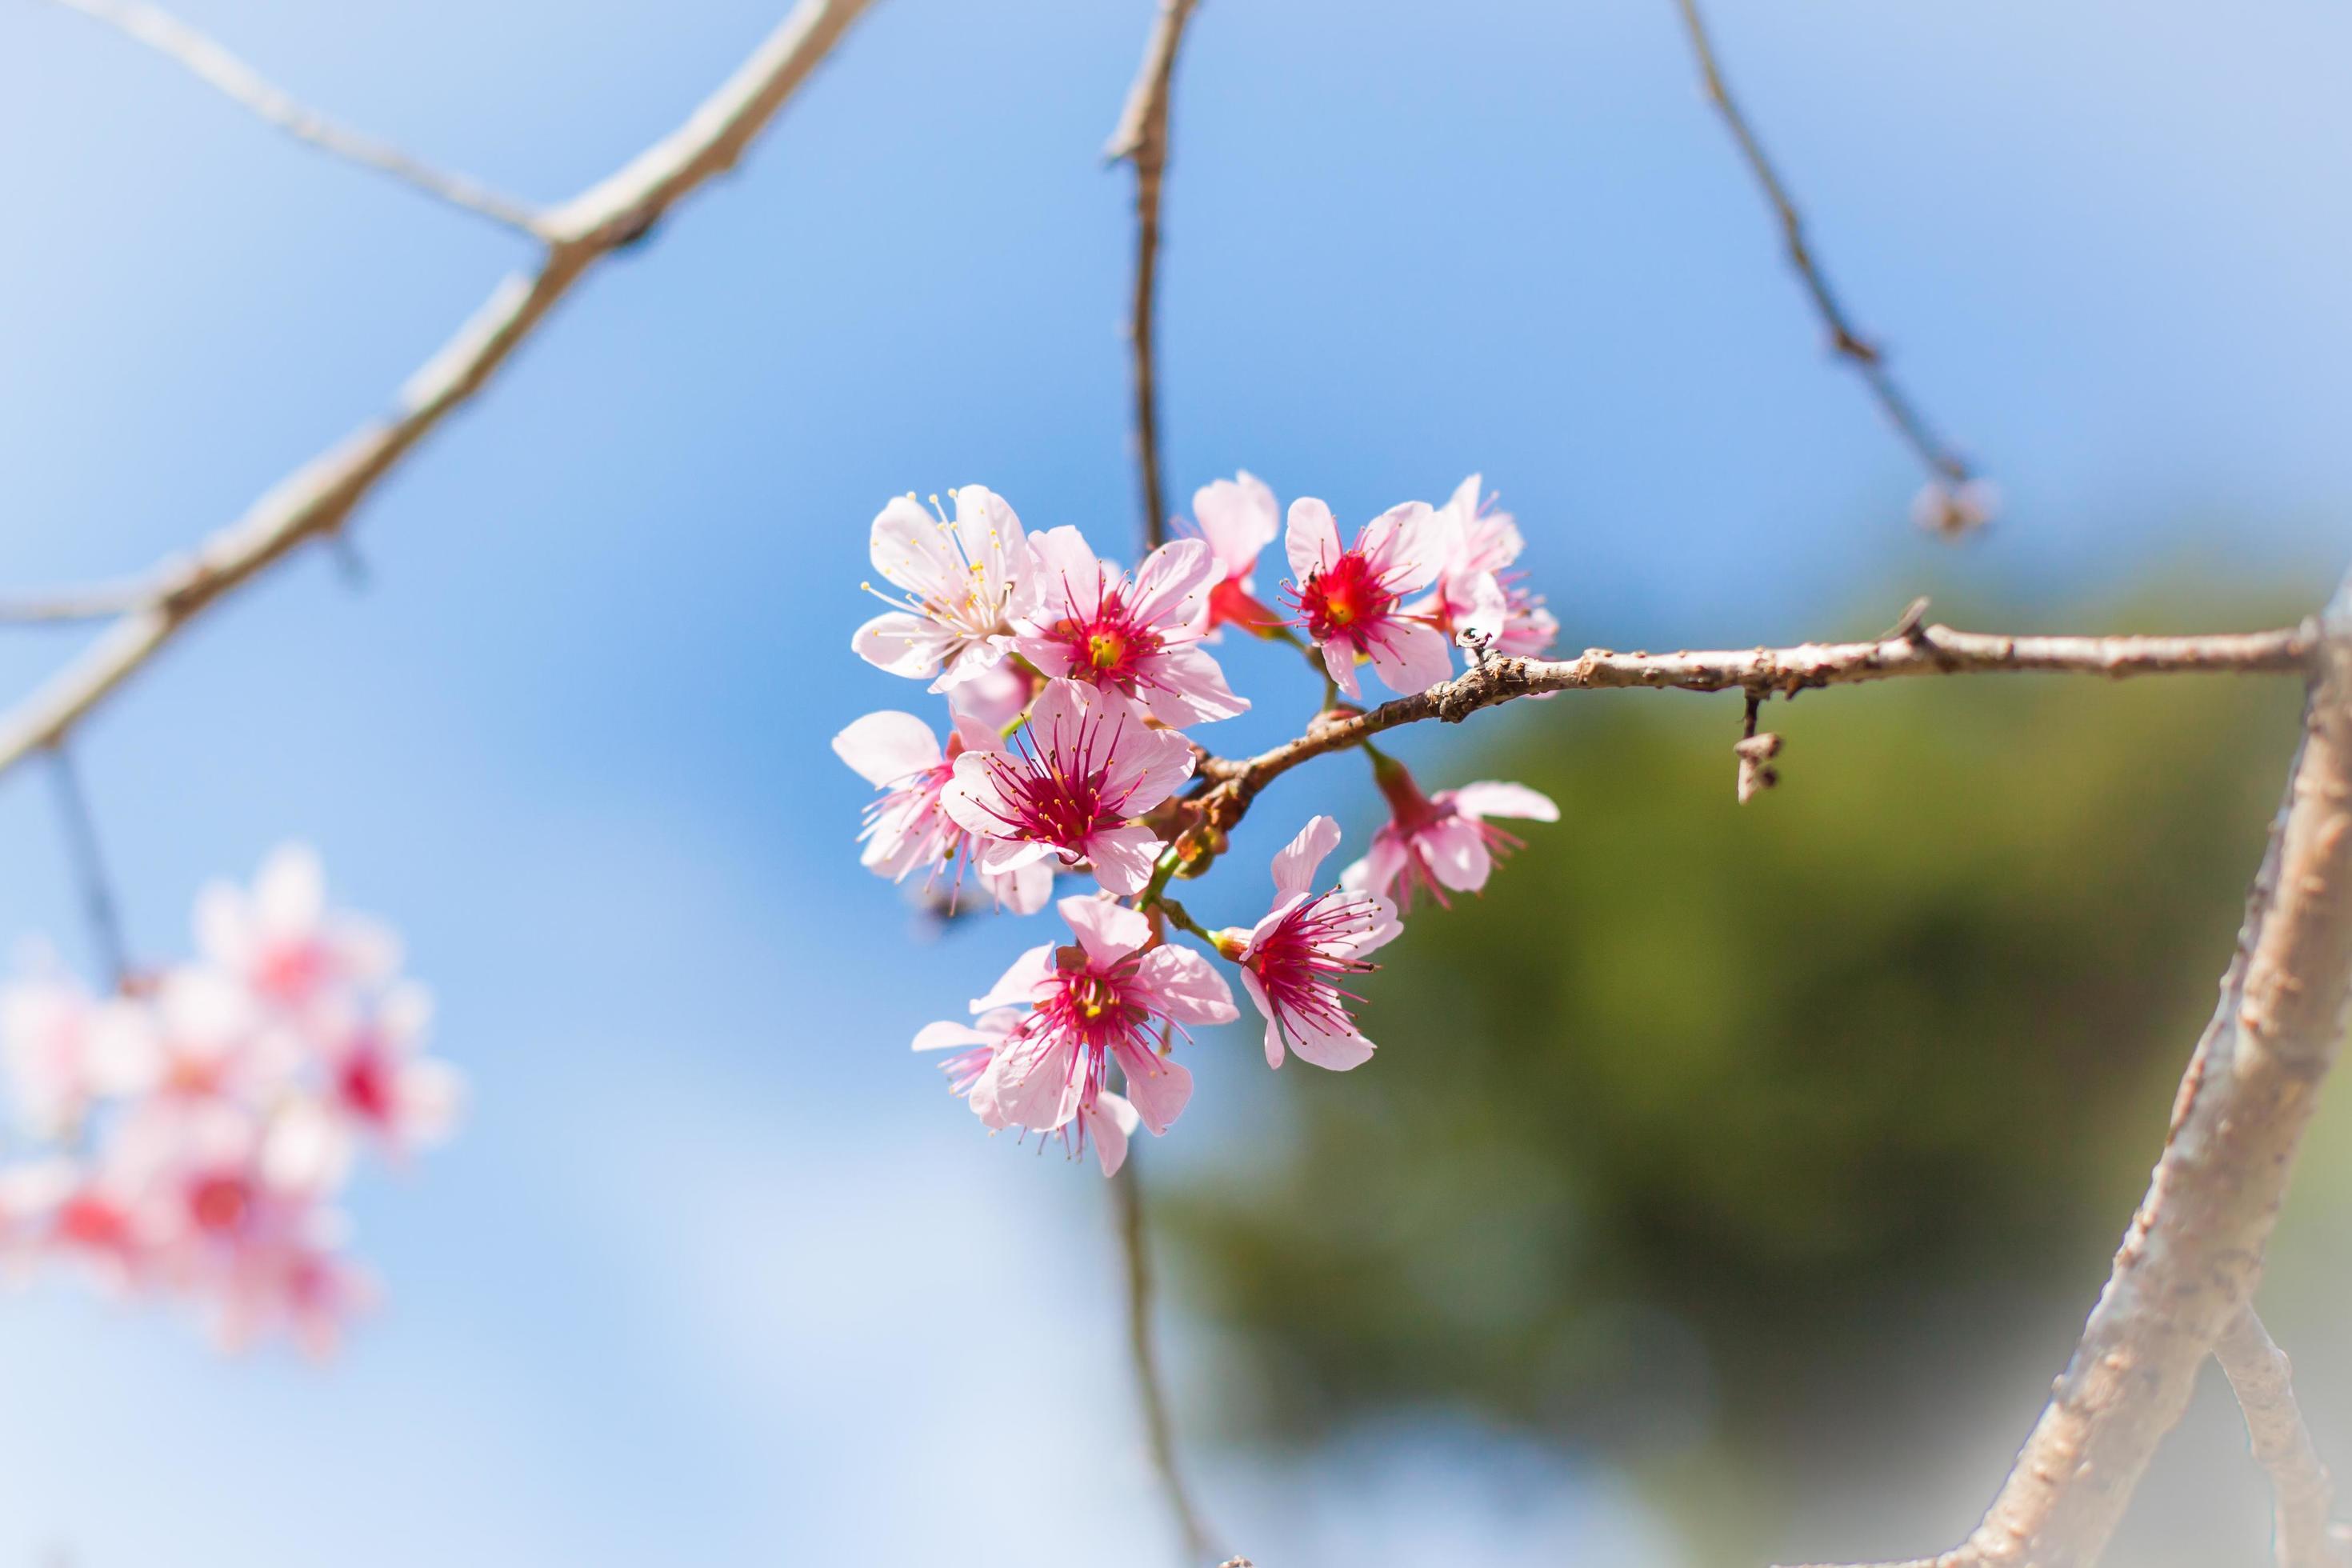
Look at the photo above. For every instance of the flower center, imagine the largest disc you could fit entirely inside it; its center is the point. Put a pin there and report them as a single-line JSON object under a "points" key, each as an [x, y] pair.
{"points": [[1061, 796], [1110, 648], [1342, 597]]}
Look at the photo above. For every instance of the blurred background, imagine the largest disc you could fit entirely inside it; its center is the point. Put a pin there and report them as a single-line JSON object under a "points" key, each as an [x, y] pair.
{"points": [[1731, 1182]]}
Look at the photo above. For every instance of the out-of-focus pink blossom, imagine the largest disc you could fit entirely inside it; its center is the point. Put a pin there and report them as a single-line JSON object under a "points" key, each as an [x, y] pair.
{"points": [[1111, 997], [1439, 841], [1351, 600], [65, 1048], [1478, 599], [909, 826], [1089, 622], [1293, 960], [280, 942], [1069, 787], [961, 584], [1237, 519]]}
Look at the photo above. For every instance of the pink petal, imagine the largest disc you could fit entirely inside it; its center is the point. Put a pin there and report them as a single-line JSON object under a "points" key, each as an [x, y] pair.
{"points": [[1272, 1028], [1109, 1121], [1335, 1050], [1108, 931], [1456, 854], [903, 644], [1377, 872], [1239, 519], [1171, 587], [1146, 767], [887, 746], [1295, 863], [1410, 657], [1123, 859], [1339, 660], [1035, 1083], [1192, 689], [945, 1036], [1070, 576], [1158, 1088], [972, 797], [1185, 987], [1490, 799], [1406, 546], [1313, 539], [1020, 983]]}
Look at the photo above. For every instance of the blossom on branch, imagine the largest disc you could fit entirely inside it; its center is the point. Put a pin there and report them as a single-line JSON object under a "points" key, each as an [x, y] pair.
{"points": [[909, 825], [1291, 960], [961, 583], [1478, 599], [1089, 622], [1439, 841], [1237, 519], [1069, 786], [1351, 600]]}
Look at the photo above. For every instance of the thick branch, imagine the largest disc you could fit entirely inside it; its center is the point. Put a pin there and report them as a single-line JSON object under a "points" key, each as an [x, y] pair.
{"points": [[2262, 1379], [168, 36], [2188, 1262], [1914, 650], [1141, 138], [1868, 361], [1159, 1431], [318, 498]]}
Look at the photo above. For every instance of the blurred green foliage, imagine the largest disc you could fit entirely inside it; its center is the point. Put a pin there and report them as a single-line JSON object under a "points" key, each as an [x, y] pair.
{"points": [[1706, 1122]]}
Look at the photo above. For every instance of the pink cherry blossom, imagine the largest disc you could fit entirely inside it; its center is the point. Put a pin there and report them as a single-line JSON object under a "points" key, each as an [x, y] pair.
{"points": [[1479, 598], [1112, 998], [281, 942], [907, 826], [1106, 1124], [65, 1049], [380, 1083], [1237, 519], [1440, 841], [1139, 638], [1351, 601], [961, 584], [1074, 778], [1292, 960]]}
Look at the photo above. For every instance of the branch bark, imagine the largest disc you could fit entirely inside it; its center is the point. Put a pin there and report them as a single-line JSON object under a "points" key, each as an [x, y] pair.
{"points": [[1142, 139], [1159, 1432], [2190, 1259], [1868, 361], [316, 498], [2304, 1496], [207, 60]]}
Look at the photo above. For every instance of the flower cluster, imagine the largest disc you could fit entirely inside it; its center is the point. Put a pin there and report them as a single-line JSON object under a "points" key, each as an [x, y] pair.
{"points": [[190, 1135], [1069, 686]]}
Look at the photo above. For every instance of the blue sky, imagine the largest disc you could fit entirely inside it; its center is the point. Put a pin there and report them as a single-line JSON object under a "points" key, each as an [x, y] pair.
{"points": [[716, 1270]]}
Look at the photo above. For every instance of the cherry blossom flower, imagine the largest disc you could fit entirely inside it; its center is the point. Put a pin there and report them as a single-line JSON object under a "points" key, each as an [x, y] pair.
{"points": [[1478, 600], [1439, 841], [1089, 622], [907, 826], [380, 1083], [1237, 519], [1351, 600], [1113, 997], [279, 939], [65, 1049], [1952, 510], [1106, 1124], [1075, 776], [961, 583], [1292, 960]]}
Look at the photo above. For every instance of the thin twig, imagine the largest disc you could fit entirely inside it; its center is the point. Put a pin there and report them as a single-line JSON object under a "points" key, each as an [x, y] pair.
{"points": [[1918, 650], [1159, 1430], [100, 601], [2304, 1496], [316, 500], [170, 36], [1867, 356], [2189, 1261], [1142, 139], [80, 835]]}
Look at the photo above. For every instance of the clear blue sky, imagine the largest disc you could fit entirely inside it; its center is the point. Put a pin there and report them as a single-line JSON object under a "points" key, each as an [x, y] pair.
{"points": [[716, 1272]]}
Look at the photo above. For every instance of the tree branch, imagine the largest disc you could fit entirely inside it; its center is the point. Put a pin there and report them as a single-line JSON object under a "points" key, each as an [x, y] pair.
{"points": [[2262, 1379], [1868, 359], [170, 36], [1142, 139], [1159, 1430], [98, 906], [1911, 650], [2188, 1262], [318, 498]]}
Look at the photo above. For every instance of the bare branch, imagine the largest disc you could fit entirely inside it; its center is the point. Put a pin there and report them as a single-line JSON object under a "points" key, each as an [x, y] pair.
{"points": [[2262, 1378], [1868, 358], [1913, 651], [168, 36], [98, 906], [1142, 139], [2188, 1262], [69, 607], [1159, 1430], [316, 500]]}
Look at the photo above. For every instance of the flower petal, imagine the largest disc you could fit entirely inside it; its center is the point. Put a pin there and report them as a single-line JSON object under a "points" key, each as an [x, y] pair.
{"points": [[1239, 519], [1488, 798], [1295, 863], [1184, 987], [1313, 539], [1171, 587], [887, 746], [1110, 1121], [1158, 1088], [1123, 858], [1108, 931], [1020, 983], [903, 644], [1410, 657]]}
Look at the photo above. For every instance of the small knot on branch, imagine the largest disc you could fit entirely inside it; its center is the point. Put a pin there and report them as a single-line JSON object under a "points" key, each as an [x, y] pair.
{"points": [[1755, 753]]}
